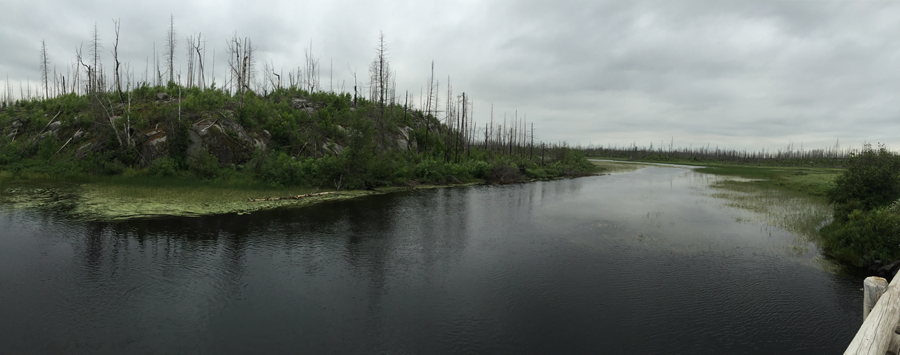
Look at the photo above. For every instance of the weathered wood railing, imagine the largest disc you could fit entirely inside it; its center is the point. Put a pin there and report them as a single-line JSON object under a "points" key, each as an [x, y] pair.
{"points": [[878, 334]]}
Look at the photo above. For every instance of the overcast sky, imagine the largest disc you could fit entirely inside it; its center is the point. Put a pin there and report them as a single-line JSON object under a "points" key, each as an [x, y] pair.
{"points": [[737, 74]]}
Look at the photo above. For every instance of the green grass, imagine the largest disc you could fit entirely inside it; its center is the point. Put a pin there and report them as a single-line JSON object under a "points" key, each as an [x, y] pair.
{"points": [[613, 167], [809, 181]]}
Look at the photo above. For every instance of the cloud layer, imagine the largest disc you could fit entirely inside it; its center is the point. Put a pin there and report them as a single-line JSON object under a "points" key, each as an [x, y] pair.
{"points": [[738, 74]]}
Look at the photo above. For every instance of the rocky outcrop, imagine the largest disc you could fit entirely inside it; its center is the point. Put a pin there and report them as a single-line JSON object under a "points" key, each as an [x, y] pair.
{"points": [[404, 139], [154, 145], [227, 148], [332, 147]]}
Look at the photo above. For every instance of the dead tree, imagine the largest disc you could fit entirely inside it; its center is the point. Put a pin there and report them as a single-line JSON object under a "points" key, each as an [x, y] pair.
{"points": [[170, 46], [380, 79], [189, 49], [116, 58], [311, 76], [241, 64], [44, 69], [202, 82]]}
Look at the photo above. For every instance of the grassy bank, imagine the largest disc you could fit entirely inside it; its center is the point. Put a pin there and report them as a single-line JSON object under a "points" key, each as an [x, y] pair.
{"points": [[121, 198], [814, 182]]}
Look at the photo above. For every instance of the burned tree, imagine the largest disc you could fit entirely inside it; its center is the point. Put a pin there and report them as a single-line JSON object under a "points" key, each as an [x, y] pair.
{"points": [[44, 69], [170, 47], [116, 59], [241, 63]]}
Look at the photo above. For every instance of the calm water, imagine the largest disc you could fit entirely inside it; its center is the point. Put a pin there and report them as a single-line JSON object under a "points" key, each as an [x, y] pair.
{"points": [[642, 262]]}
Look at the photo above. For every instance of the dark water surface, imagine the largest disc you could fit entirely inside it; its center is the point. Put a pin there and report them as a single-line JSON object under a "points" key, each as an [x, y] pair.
{"points": [[642, 262]]}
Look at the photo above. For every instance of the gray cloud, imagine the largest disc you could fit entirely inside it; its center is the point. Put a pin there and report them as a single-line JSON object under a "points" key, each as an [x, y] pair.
{"points": [[742, 74]]}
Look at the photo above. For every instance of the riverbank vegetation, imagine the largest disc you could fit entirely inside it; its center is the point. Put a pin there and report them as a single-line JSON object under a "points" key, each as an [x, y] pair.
{"points": [[866, 199], [861, 186]]}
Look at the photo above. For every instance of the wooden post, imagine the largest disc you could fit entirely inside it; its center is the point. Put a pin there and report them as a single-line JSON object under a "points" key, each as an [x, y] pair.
{"points": [[877, 335], [873, 288]]}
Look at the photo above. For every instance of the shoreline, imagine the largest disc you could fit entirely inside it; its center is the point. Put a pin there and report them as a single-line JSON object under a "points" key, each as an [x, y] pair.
{"points": [[107, 201]]}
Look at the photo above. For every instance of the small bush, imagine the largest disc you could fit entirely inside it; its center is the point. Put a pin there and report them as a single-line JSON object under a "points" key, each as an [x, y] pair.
{"points": [[872, 180], [203, 164], [163, 167], [864, 236]]}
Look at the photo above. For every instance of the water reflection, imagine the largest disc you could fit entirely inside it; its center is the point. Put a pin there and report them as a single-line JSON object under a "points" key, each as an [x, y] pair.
{"points": [[647, 261]]}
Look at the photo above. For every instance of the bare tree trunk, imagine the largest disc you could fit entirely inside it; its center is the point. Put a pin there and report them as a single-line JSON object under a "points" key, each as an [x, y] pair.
{"points": [[44, 69], [201, 78], [116, 58], [170, 45]]}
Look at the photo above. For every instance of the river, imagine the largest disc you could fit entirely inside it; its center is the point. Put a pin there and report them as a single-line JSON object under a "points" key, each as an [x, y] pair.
{"points": [[648, 261]]}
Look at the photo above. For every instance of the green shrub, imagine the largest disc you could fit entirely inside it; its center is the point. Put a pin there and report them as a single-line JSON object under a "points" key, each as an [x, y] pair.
{"points": [[165, 166], [872, 180], [47, 147], [864, 236], [203, 164]]}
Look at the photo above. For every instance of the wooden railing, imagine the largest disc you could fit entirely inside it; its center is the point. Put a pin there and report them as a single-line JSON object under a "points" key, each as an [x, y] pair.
{"points": [[878, 334]]}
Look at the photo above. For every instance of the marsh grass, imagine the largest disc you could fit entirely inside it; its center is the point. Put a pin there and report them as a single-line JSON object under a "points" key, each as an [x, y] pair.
{"points": [[794, 212], [616, 167], [800, 214], [808, 181]]}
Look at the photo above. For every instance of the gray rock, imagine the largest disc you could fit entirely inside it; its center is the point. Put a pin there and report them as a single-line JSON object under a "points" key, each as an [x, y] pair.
{"points": [[77, 136], [332, 147], [16, 124], [54, 126], [267, 134], [299, 103], [157, 141], [162, 96], [82, 150]]}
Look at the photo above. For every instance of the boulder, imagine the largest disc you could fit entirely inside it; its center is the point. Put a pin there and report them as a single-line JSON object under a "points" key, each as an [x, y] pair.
{"points": [[403, 140], [16, 124], [332, 147], [162, 96], [299, 103], [82, 150], [54, 126], [154, 146], [217, 141], [888, 270]]}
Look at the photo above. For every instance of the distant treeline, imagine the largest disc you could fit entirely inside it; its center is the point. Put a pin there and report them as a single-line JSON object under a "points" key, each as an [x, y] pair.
{"points": [[833, 157]]}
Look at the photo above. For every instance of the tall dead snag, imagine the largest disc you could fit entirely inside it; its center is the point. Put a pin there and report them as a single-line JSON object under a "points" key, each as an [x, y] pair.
{"points": [[380, 79], [44, 69], [311, 75], [170, 47], [189, 50], [241, 63], [116, 58], [200, 78]]}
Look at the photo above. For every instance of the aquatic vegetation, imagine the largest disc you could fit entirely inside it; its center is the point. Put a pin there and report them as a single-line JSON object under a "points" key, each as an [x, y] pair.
{"points": [[615, 167], [121, 199], [792, 211]]}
